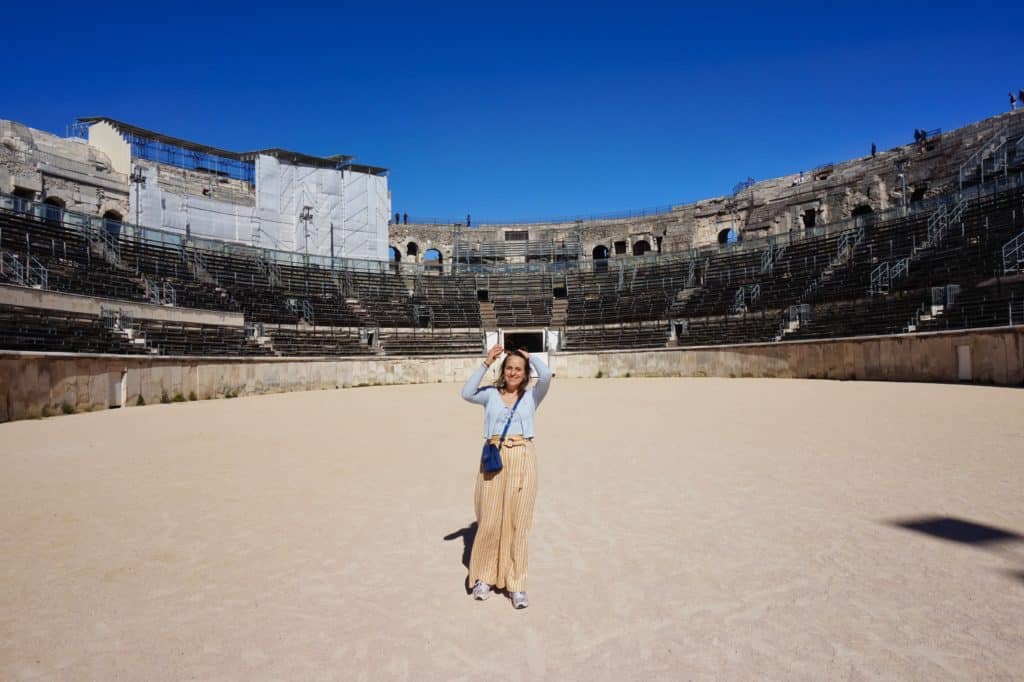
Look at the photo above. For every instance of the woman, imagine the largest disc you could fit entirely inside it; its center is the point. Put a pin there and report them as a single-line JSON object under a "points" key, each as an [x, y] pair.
{"points": [[504, 499]]}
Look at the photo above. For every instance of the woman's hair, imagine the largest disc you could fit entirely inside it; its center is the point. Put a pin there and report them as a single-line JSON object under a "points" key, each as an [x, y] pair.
{"points": [[500, 381]]}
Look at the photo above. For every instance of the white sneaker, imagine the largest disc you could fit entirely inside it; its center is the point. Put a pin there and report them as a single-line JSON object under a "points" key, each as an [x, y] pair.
{"points": [[481, 591], [519, 600]]}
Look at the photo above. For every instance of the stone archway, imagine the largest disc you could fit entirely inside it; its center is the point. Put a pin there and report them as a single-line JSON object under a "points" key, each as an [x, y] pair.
{"points": [[112, 221], [641, 247], [53, 208]]}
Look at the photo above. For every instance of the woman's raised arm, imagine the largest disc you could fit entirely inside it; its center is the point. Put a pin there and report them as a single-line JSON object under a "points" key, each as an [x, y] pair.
{"points": [[471, 389], [543, 379]]}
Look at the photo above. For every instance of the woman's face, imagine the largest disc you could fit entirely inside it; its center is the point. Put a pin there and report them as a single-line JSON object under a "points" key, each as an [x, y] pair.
{"points": [[515, 371]]}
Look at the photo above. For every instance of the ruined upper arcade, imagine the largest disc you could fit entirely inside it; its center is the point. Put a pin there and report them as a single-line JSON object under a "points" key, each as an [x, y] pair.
{"points": [[829, 193], [65, 172], [261, 197]]}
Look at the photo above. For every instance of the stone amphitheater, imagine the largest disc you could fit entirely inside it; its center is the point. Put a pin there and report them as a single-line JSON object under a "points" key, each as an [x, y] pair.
{"points": [[705, 511]]}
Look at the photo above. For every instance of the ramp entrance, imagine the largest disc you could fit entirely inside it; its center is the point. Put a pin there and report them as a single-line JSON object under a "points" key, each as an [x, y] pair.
{"points": [[532, 341]]}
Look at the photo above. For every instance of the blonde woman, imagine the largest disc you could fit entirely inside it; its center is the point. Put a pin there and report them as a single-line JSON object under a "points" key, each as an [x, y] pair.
{"points": [[504, 499]]}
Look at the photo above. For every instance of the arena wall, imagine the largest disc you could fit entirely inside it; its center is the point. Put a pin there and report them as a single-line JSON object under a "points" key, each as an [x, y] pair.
{"points": [[40, 384]]}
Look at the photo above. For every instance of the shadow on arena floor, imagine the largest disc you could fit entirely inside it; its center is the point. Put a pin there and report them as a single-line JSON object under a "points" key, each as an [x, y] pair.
{"points": [[468, 534], [958, 530]]}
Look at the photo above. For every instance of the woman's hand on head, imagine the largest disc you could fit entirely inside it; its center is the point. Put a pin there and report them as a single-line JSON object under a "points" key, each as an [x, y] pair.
{"points": [[493, 354], [525, 354]]}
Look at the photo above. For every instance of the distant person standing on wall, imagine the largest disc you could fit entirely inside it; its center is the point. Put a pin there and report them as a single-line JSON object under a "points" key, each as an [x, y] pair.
{"points": [[1013, 102], [405, 217], [874, 150], [504, 499]]}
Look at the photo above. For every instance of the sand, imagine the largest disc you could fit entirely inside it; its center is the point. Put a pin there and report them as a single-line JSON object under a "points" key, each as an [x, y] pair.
{"points": [[686, 529]]}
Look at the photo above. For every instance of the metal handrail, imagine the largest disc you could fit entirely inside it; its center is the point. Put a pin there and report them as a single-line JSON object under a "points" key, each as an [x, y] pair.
{"points": [[12, 267], [82, 222], [879, 282], [37, 275], [1013, 254], [981, 153]]}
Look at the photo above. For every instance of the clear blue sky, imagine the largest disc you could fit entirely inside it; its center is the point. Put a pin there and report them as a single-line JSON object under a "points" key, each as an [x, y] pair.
{"points": [[520, 110]]}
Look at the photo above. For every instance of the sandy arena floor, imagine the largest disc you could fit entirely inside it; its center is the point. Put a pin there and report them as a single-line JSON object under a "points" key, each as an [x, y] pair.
{"points": [[685, 530]]}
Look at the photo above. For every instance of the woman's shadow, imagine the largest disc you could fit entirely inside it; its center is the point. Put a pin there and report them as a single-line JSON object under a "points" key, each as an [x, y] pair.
{"points": [[468, 534]]}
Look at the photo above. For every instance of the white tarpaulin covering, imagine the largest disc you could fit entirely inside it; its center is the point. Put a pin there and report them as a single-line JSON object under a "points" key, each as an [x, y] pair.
{"points": [[352, 209]]}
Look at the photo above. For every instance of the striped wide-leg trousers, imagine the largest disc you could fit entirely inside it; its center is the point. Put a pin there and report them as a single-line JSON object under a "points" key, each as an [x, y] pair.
{"points": [[504, 515]]}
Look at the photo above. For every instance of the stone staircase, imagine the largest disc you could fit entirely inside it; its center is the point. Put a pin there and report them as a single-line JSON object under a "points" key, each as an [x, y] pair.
{"points": [[559, 312], [360, 312], [487, 317]]}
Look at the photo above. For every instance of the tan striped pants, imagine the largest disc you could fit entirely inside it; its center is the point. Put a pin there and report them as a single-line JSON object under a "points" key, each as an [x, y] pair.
{"points": [[504, 515]]}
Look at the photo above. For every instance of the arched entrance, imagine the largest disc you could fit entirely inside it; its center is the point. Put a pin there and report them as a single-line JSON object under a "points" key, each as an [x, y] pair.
{"points": [[432, 259], [393, 254], [600, 252], [641, 247], [23, 198], [861, 209], [728, 236], [112, 223], [810, 218], [53, 207], [412, 249]]}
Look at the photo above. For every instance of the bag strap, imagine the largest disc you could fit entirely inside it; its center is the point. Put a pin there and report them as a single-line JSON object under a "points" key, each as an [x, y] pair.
{"points": [[505, 430]]}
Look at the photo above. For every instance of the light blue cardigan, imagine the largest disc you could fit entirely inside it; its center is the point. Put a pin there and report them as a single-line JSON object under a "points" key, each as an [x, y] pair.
{"points": [[495, 410]]}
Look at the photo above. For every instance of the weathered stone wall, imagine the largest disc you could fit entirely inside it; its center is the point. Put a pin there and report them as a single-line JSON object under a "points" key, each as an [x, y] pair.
{"points": [[82, 177], [33, 384], [51, 167], [774, 206]]}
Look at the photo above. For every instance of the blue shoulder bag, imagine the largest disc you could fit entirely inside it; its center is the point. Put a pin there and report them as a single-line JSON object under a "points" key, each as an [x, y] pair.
{"points": [[490, 459]]}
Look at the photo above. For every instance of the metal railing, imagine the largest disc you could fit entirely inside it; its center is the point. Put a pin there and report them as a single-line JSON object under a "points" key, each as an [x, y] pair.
{"points": [[952, 294], [37, 275], [1016, 312], [800, 314], [11, 267], [879, 282], [106, 243], [77, 221], [754, 293], [152, 290], [900, 269], [976, 162], [739, 300], [1013, 254], [190, 159], [116, 319]]}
